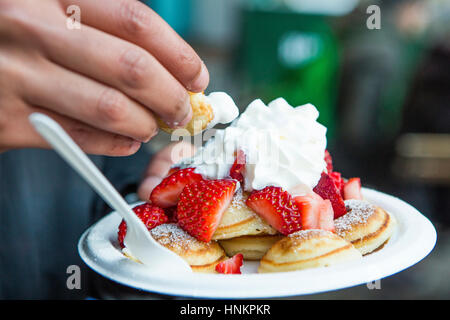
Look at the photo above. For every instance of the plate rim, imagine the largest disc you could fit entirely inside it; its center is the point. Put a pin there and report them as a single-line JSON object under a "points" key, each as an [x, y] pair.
{"points": [[225, 285]]}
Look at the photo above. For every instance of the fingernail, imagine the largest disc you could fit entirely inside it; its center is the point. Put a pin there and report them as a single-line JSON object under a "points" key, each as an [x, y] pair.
{"points": [[155, 133], [135, 145], [201, 81]]}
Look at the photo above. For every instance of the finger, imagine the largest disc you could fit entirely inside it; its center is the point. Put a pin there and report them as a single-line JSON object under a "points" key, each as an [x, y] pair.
{"points": [[90, 140], [161, 164], [135, 22], [119, 64], [86, 100]]}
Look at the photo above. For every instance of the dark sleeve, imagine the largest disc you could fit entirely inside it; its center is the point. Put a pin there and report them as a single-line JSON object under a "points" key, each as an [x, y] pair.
{"points": [[124, 173]]}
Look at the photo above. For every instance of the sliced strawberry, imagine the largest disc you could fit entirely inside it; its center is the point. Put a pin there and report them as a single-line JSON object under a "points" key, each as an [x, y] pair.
{"points": [[329, 161], [309, 206], [237, 170], [232, 265], [326, 216], [276, 207], [328, 190], [352, 189], [166, 194], [316, 213], [338, 181], [151, 215], [202, 205]]}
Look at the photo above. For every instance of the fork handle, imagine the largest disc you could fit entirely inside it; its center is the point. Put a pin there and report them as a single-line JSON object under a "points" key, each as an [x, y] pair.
{"points": [[71, 152]]}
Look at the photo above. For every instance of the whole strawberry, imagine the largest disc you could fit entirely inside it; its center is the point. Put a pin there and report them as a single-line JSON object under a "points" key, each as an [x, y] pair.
{"points": [[202, 205], [151, 215]]}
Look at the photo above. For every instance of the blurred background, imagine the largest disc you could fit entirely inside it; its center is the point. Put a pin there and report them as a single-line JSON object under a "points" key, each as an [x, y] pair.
{"points": [[384, 95]]}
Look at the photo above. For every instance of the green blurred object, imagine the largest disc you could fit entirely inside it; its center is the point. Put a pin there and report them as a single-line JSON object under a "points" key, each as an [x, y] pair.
{"points": [[176, 13], [294, 56]]}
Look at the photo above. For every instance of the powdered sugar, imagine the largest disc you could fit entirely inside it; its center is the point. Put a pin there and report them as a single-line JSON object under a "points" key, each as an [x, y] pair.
{"points": [[170, 234], [359, 212], [309, 234], [238, 200]]}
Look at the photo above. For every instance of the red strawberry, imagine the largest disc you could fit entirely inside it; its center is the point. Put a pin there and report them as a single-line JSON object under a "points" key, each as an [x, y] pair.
{"points": [[352, 189], [173, 170], [329, 161], [171, 213], [276, 207], [202, 205], [238, 168], [231, 265], [167, 192], [316, 213], [151, 215], [338, 180], [326, 216], [328, 190], [309, 206]]}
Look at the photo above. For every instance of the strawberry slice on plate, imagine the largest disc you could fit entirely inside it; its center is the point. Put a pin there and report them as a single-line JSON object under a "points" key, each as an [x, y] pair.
{"points": [[316, 213], [166, 194], [352, 189], [237, 170], [151, 215], [328, 190], [276, 206], [202, 205], [231, 265]]}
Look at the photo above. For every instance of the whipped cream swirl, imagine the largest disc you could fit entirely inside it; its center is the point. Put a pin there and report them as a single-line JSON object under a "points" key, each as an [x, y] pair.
{"points": [[224, 108], [284, 147]]}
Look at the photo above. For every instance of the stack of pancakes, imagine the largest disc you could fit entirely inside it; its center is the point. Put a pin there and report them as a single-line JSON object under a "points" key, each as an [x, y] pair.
{"points": [[364, 229]]}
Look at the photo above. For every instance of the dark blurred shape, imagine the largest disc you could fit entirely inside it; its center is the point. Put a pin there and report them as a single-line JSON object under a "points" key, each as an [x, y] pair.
{"points": [[427, 109], [423, 148]]}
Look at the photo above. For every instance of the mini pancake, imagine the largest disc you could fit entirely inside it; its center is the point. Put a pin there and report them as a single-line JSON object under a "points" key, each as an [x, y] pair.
{"points": [[202, 114], [307, 249], [239, 220], [251, 247], [201, 256], [366, 226]]}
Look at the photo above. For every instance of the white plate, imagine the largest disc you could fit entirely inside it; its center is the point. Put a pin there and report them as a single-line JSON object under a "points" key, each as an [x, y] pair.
{"points": [[414, 238]]}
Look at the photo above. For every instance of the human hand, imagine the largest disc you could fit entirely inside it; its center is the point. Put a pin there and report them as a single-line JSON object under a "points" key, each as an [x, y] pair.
{"points": [[104, 83], [160, 164]]}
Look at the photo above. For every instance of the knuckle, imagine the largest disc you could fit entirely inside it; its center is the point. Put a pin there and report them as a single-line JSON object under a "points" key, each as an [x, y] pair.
{"points": [[191, 62], [149, 133], [134, 67], [181, 104], [121, 146], [177, 110], [81, 135], [112, 105], [135, 17]]}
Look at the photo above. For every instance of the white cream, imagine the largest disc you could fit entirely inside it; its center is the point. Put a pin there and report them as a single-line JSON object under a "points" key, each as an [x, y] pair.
{"points": [[224, 108], [284, 147]]}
